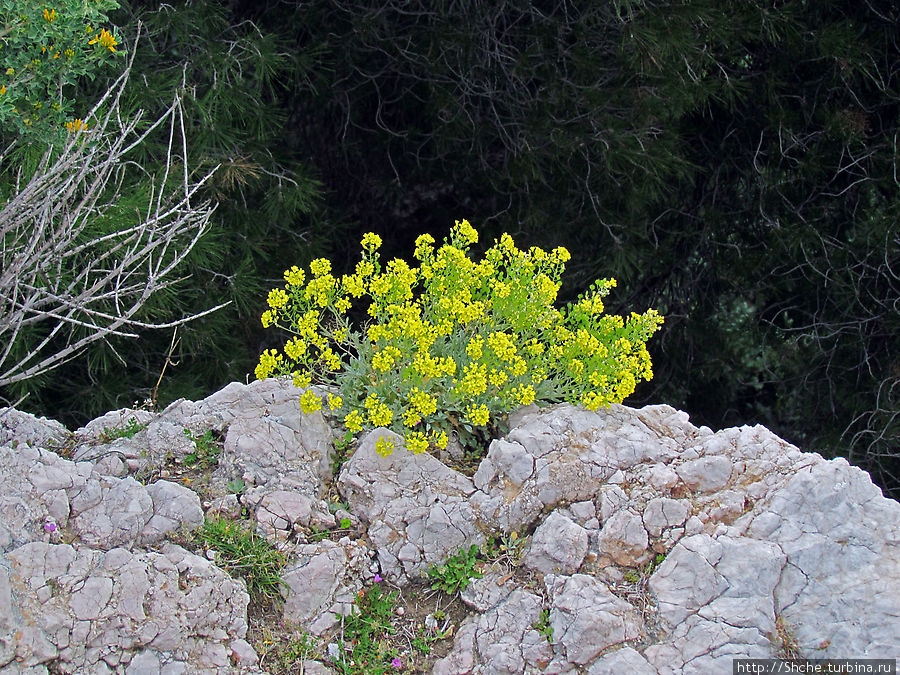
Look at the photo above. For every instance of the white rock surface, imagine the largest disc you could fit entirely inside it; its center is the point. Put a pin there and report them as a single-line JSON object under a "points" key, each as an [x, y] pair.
{"points": [[417, 509], [557, 546], [740, 533]]}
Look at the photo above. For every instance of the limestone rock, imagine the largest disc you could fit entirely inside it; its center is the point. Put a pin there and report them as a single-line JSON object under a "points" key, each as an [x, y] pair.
{"points": [[417, 509], [150, 608], [743, 538], [557, 546], [323, 581], [487, 591], [20, 428], [625, 660], [500, 639], [173, 506], [624, 539], [587, 618], [573, 452]]}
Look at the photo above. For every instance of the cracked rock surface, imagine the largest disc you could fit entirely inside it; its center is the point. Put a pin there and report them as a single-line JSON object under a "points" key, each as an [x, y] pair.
{"points": [[648, 545]]}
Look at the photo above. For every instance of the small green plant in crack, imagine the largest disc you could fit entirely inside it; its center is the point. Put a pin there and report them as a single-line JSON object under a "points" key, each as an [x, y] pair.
{"points": [[364, 647], [236, 486], [507, 548], [242, 553], [457, 572], [425, 638], [637, 576], [129, 429], [317, 535], [336, 505], [342, 454], [206, 452], [542, 625], [282, 651]]}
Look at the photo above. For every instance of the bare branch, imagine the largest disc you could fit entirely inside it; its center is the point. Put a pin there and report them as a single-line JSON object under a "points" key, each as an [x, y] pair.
{"points": [[64, 284]]}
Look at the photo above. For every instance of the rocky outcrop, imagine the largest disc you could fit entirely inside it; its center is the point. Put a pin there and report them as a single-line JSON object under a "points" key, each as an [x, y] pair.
{"points": [[645, 544]]}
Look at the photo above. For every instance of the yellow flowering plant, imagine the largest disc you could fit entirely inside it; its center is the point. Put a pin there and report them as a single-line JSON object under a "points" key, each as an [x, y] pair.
{"points": [[45, 48], [452, 344]]}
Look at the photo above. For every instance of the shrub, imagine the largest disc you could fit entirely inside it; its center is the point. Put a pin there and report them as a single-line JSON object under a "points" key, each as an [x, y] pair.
{"points": [[451, 344], [46, 49]]}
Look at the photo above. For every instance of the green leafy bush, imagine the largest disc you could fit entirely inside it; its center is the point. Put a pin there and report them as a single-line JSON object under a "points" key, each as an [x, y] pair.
{"points": [[46, 48], [452, 343], [364, 647]]}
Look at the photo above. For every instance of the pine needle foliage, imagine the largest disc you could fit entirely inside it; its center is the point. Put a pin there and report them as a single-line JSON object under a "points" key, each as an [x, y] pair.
{"points": [[230, 74]]}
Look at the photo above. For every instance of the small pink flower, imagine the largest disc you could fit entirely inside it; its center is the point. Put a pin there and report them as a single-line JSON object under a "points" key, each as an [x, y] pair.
{"points": [[397, 663], [378, 577], [50, 526]]}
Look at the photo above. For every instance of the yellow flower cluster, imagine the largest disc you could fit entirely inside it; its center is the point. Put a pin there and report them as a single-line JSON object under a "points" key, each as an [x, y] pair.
{"points": [[269, 362], [380, 414], [479, 414], [384, 447], [309, 402], [452, 342], [105, 39], [76, 125], [294, 276]]}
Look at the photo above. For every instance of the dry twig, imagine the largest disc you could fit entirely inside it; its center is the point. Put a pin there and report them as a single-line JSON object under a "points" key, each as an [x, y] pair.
{"points": [[62, 289]]}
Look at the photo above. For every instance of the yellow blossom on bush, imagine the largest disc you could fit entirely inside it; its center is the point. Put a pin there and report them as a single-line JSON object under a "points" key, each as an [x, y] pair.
{"points": [[294, 276], [269, 361], [295, 349], [424, 247], [75, 125], [416, 442], [385, 359], [479, 414], [309, 402], [277, 298], [379, 414], [411, 417], [440, 439], [524, 394], [371, 242], [354, 421], [466, 231], [106, 39], [320, 267], [423, 403], [475, 348], [384, 447]]}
